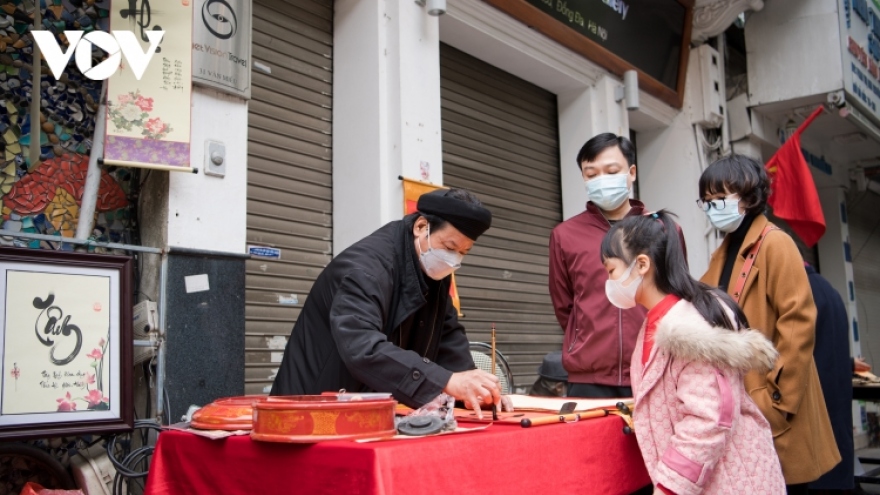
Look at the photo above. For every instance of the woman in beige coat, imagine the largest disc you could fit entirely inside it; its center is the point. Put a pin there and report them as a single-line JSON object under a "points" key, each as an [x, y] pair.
{"points": [[775, 296]]}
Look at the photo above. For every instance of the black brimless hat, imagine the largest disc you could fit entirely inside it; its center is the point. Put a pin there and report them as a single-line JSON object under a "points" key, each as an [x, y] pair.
{"points": [[470, 219]]}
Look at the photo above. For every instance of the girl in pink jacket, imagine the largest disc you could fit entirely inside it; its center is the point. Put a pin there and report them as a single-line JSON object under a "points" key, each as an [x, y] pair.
{"points": [[697, 428]]}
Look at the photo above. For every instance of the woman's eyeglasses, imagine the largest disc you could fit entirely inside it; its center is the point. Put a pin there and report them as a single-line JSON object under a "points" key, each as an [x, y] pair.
{"points": [[718, 204]]}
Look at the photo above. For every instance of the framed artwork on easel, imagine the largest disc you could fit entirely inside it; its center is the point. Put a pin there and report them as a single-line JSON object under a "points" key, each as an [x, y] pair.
{"points": [[65, 343]]}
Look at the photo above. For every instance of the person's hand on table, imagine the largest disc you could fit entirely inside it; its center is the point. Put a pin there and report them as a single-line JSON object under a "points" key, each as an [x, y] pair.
{"points": [[475, 387], [860, 365], [506, 404]]}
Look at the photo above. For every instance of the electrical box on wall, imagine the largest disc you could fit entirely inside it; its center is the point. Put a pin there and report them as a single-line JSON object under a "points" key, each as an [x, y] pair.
{"points": [[711, 109]]}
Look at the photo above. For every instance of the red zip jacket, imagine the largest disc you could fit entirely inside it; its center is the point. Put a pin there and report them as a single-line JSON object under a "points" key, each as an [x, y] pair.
{"points": [[599, 337]]}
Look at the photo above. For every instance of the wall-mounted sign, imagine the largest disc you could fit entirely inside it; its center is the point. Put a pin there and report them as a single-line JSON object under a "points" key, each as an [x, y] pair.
{"points": [[651, 36], [860, 49], [222, 45]]}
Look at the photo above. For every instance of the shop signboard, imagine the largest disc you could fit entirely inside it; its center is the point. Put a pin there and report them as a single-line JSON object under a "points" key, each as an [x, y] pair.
{"points": [[221, 45], [860, 49], [651, 36], [148, 116]]}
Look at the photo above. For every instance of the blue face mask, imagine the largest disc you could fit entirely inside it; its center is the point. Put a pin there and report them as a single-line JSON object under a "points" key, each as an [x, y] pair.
{"points": [[608, 192], [728, 218]]}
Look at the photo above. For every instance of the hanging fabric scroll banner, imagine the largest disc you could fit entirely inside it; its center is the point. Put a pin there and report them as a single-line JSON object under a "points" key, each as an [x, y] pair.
{"points": [[148, 118], [412, 189]]}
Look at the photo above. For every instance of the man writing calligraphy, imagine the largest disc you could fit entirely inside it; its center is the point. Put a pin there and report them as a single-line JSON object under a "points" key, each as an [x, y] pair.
{"points": [[379, 317]]}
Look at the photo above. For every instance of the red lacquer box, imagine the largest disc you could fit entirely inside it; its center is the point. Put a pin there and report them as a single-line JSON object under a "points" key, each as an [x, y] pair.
{"points": [[228, 413], [316, 418]]}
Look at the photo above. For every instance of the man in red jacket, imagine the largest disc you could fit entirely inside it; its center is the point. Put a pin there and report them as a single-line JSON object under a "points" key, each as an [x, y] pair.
{"points": [[599, 337]]}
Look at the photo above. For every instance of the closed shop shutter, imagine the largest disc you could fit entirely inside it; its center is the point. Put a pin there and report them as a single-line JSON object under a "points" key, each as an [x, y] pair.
{"points": [[289, 186], [500, 141], [864, 237]]}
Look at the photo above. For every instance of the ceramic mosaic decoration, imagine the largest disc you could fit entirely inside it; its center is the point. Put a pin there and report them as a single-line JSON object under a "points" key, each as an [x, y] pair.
{"points": [[44, 197]]}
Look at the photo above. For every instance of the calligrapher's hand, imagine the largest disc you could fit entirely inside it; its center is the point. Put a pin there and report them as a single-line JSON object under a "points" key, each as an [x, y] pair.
{"points": [[860, 365], [474, 387]]}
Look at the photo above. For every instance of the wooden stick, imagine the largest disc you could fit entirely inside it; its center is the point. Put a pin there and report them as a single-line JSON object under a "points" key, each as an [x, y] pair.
{"points": [[563, 418]]}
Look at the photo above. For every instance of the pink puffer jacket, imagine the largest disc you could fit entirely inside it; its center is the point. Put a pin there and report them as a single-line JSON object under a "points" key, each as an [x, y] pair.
{"points": [[697, 428]]}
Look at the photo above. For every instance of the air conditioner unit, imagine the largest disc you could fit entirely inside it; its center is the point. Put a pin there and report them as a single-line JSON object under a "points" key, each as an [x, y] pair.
{"points": [[709, 111], [145, 319]]}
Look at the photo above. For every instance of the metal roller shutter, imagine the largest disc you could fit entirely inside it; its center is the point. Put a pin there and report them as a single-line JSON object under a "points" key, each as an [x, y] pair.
{"points": [[500, 141], [289, 185]]}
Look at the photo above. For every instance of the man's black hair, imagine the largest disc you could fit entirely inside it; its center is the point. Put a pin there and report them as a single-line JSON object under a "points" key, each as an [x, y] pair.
{"points": [[602, 142]]}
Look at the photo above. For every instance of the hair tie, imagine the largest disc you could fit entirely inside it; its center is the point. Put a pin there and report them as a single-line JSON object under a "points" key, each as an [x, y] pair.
{"points": [[655, 216]]}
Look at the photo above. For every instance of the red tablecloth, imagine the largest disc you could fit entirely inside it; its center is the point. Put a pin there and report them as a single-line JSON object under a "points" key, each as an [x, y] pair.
{"points": [[591, 456]]}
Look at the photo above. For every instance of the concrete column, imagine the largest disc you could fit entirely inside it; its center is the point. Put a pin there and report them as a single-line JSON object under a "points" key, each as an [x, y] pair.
{"points": [[205, 211], [386, 111], [584, 113]]}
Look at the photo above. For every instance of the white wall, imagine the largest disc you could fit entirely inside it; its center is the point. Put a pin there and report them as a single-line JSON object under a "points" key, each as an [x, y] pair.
{"points": [[793, 50], [207, 212], [669, 169], [582, 115], [386, 111]]}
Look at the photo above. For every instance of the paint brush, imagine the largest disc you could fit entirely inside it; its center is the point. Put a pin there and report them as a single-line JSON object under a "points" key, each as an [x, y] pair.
{"points": [[494, 407]]}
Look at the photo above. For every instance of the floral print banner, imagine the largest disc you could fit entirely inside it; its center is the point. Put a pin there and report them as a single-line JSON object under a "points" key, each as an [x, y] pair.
{"points": [[148, 120]]}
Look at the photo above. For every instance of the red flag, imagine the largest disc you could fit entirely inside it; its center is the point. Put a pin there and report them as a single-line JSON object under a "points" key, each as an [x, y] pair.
{"points": [[793, 194]]}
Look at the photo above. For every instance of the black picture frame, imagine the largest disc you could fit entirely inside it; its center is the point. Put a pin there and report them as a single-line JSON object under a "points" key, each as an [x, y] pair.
{"points": [[65, 331]]}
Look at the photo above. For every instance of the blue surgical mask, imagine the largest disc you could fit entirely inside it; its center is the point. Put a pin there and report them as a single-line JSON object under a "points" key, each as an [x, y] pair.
{"points": [[609, 191], [438, 263], [728, 218]]}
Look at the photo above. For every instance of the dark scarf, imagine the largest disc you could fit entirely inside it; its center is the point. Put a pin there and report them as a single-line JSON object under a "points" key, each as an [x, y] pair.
{"points": [[736, 241]]}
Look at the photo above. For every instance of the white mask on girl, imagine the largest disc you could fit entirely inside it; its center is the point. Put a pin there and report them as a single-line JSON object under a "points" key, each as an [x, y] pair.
{"points": [[438, 263], [623, 296]]}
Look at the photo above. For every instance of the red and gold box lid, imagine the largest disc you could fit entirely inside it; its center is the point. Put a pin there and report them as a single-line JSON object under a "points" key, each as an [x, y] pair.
{"points": [[316, 418]]}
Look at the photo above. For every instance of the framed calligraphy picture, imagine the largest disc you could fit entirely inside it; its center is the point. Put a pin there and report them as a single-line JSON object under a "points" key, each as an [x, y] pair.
{"points": [[65, 343]]}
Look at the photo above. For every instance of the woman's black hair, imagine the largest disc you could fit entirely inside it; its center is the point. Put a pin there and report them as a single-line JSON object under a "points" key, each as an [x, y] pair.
{"points": [[656, 235], [741, 175]]}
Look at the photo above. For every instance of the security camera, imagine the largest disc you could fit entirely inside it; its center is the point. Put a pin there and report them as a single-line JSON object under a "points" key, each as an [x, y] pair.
{"points": [[836, 98]]}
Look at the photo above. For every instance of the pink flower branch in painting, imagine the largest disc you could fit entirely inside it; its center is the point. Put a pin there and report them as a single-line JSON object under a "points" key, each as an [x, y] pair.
{"points": [[155, 129], [131, 111], [145, 104], [97, 400], [15, 374], [66, 403], [95, 354]]}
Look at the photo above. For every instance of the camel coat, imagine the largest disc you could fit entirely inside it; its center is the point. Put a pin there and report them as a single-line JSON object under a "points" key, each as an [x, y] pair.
{"points": [[777, 301]]}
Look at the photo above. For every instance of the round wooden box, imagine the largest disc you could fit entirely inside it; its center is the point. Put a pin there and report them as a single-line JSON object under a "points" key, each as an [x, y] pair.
{"points": [[316, 418], [228, 413]]}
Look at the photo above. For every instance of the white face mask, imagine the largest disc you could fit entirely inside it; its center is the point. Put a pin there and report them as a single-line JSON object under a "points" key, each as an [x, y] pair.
{"points": [[438, 263], [608, 192], [623, 296], [728, 218]]}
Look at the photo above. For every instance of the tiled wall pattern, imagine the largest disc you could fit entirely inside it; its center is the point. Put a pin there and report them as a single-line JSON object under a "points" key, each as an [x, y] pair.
{"points": [[44, 197]]}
